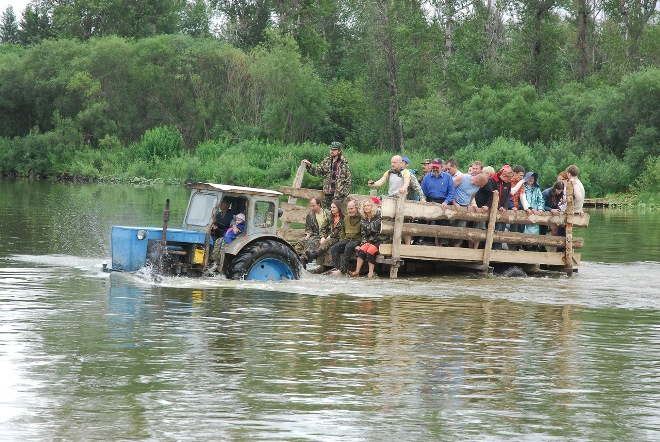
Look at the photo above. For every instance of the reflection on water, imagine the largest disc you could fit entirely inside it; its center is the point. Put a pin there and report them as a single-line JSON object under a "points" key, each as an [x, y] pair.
{"points": [[136, 360], [86, 355]]}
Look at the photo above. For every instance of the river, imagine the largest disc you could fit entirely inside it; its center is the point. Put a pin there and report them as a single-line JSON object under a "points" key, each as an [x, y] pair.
{"points": [[85, 355]]}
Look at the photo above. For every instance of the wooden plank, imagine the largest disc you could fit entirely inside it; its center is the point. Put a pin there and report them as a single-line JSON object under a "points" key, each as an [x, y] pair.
{"points": [[490, 230], [297, 182], [434, 211], [435, 253], [519, 257], [450, 254], [298, 192], [429, 230], [396, 238], [291, 234], [568, 251], [547, 218], [293, 214]]}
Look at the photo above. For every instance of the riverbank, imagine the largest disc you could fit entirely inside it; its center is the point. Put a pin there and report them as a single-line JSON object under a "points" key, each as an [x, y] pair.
{"points": [[158, 160]]}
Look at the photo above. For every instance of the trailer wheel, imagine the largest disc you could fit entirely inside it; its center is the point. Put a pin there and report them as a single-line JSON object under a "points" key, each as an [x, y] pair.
{"points": [[514, 272], [267, 260]]}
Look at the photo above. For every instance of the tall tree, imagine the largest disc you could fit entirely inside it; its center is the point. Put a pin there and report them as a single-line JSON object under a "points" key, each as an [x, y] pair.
{"points": [[196, 20], [537, 42], [633, 16], [36, 25], [8, 26], [246, 21]]}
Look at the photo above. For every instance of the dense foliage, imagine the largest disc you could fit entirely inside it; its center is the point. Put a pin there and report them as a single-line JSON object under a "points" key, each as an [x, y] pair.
{"points": [[241, 91]]}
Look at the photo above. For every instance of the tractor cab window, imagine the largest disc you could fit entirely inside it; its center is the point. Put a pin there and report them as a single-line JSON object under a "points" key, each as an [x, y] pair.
{"points": [[200, 209], [264, 214]]}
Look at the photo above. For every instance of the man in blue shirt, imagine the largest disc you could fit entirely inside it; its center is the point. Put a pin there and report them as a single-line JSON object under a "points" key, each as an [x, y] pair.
{"points": [[438, 186]]}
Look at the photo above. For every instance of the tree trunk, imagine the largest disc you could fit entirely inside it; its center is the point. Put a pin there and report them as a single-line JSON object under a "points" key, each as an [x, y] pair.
{"points": [[396, 125], [583, 57]]}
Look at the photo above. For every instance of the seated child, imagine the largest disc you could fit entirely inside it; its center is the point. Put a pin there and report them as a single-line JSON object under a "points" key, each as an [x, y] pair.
{"points": [[236, 229]]}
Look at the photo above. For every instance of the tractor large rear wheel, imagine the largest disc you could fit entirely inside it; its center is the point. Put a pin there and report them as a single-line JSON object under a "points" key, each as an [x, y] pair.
{"points": [[267, 260]]}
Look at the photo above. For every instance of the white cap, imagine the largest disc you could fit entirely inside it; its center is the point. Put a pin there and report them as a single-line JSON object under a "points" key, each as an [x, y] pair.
{"points": [[240, 216]]}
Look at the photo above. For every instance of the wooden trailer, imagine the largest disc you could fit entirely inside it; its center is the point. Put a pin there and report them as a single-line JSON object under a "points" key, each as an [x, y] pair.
{"points": [[399, 218]]}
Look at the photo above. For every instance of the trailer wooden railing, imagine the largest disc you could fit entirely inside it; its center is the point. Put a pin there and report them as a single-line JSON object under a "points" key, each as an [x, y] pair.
{"points": [[398, 215]]}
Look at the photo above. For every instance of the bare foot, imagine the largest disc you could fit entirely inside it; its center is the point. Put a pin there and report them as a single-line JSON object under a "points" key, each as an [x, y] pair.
{"points": [[353, 273], [370, 275], [335, 272]]}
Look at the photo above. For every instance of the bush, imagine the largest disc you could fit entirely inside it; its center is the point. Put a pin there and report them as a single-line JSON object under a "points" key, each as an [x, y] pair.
{"points": [[497, 153], [160, 143], [649, 182]]}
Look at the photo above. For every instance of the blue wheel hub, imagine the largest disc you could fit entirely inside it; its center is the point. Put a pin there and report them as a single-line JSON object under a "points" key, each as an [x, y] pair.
{"points": [[269, 269]]}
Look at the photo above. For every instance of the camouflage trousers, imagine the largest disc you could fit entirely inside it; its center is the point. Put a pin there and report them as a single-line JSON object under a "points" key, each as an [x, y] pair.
{"points": [[311, 245], [322, 248], [217, 247]]}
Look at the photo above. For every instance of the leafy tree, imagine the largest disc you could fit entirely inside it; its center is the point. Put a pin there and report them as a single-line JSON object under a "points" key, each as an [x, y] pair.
{"points": [[196, 19], [36, 25], [246, 21], [9, 32], [536, 42], [632, 16], [288, 96]]}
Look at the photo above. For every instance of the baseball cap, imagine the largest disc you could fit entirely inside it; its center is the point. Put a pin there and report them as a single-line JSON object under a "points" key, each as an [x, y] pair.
{"points": [[335, 145], [406, 160], [426, 161], [240, 216], [436, 163]]}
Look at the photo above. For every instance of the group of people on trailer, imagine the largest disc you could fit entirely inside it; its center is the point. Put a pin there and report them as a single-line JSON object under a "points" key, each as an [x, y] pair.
{"points": [[357, 231]]}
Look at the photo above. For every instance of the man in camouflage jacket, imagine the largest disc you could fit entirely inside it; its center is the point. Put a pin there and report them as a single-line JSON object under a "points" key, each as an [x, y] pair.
{"points": [[336, 174]]}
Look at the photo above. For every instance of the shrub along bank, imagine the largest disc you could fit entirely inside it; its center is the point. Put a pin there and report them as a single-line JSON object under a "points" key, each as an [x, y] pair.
{"points": [[160, 155]]}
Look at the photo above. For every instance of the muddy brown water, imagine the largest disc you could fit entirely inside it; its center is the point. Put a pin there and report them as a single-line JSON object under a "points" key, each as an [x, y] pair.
{"points": [[89, 356]]}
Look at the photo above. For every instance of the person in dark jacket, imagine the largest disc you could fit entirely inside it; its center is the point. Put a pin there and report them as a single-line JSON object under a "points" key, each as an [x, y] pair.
{"points": [[315, 223], [554, 198], [370, 238], [501, 182], [332, 228], [349, 239]]}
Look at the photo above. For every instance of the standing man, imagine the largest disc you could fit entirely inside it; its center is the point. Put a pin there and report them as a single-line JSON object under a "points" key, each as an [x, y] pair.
{"points": [[426, 168], [415, 192], [398, 178], [468, 186], [501, 182], [336, 174], [578, 189], [452, 170], [438, 186]]}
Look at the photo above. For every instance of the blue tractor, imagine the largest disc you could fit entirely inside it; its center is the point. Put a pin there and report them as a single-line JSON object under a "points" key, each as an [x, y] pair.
{"points": [[256, 254]]}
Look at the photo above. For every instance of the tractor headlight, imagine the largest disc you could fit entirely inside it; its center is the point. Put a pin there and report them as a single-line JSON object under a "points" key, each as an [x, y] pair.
{"points": [[142, 234]]}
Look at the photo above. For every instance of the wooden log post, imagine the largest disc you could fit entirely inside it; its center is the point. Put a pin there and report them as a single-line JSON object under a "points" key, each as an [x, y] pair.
{"points": [[490, 231], [396, 237], [297, 182], [570, 213]]}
